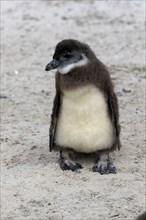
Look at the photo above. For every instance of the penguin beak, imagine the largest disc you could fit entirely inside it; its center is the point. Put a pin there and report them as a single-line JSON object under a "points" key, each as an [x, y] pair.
{"points": [[52, 65]]}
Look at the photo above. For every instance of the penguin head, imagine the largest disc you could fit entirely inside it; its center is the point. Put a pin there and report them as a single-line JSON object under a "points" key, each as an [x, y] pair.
{"points": [[69, 54]]}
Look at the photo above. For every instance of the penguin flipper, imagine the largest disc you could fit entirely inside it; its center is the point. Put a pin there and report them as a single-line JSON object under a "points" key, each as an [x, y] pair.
{"points": [[114, 113], [54, 116]]}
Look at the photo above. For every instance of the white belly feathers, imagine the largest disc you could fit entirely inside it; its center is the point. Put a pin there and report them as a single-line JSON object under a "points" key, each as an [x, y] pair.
{"points": [[84, 124]]}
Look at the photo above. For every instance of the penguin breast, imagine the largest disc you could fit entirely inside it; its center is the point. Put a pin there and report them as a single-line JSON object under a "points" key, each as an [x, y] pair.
{"points": [[84, 124]]}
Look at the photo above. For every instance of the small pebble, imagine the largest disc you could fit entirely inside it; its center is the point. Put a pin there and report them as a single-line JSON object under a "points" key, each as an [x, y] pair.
{"points": [[126, 90], [16, 72]]}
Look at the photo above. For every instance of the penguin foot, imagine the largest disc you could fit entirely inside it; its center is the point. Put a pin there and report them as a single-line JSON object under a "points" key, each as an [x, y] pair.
{"points": [[66, 164], [104, 167]]}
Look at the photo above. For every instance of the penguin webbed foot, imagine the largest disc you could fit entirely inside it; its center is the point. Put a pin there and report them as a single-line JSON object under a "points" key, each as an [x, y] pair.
{"points": [[67, 164], [104, 165]]}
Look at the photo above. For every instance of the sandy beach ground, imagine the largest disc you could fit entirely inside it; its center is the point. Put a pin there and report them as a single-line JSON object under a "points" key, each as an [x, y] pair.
{"points": [[32, 185]]}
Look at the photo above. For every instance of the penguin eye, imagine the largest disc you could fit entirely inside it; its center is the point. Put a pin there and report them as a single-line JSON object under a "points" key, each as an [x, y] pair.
{"points": [[67, 55]]}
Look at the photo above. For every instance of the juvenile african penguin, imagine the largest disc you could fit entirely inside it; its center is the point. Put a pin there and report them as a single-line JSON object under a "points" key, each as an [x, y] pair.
{"points": [[85, 115]]}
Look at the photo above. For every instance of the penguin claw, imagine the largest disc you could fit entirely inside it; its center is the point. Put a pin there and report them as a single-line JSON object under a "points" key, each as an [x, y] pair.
{"points": [[104, 169], [70, 165]]}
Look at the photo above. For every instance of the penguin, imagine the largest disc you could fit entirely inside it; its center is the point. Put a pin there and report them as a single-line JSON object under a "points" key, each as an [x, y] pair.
{"points": [[85, 113], [142, 216]]}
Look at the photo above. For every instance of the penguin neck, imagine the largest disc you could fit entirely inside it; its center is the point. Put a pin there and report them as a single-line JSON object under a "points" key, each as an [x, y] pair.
{"points": [[77, 77], [93, 73]]}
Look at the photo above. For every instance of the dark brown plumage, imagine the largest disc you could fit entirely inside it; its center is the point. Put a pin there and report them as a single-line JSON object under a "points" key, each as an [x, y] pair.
{"points": [[142, 216]]}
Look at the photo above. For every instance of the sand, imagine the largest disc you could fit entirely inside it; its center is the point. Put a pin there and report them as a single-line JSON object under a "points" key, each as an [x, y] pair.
{"points": [[32, 185]]}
